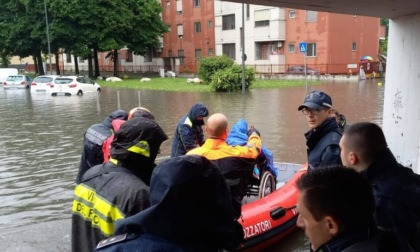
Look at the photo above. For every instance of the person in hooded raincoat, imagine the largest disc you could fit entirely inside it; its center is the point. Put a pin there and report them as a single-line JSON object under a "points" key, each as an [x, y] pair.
{"points": [[116, 189], [190, 211], [93, 140], [189, 132], [238, 136]]}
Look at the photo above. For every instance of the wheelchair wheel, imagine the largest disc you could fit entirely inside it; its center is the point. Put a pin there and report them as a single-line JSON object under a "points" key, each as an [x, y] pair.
{"points": [[267, 184]]}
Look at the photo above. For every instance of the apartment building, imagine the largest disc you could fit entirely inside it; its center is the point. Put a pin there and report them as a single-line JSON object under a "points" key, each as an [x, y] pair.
{"points": [[191, 34], [264, 34], [201, 28], [335, 42]]}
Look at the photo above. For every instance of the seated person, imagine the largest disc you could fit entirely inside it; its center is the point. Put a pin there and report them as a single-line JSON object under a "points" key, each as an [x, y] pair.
{"points": [[190, 210], [235, 162], [238, 136]]}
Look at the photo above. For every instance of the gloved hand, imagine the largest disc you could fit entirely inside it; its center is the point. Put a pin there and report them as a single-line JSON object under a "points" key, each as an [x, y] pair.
{"points": [[253, 130]]}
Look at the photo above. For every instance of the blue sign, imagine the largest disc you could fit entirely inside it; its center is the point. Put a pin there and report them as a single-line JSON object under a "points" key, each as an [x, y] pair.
{"points": [[303, 46]]}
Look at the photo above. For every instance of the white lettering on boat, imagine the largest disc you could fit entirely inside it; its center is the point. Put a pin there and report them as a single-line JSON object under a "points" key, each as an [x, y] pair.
{"points": [[256, 229]]}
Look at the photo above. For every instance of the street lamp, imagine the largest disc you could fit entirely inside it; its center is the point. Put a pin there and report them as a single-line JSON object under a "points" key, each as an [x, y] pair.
{"points": [[48, 35]]}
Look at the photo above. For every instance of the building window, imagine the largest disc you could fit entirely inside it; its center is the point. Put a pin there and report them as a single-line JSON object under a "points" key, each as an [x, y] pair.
{"points": [[262, 23], [311, 50], [168, 4], [262, 18], [196, 3], [291, 48], [197, 53], [311, 16], [210, 24], [354, 46], [210, 52], [148, 57], [68, 58], [81, 60], [180, 31], [292, 14], [229, 50], [181, 57], [228, 22], [178, 6], [170, 53], [129, 56], [197, 27]]}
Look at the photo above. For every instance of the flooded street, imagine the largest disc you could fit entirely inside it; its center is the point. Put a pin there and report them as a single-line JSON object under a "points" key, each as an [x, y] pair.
{"points": [[41, 140]]}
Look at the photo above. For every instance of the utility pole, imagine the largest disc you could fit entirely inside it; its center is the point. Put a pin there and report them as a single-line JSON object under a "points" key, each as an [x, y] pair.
{"points": [[243, 48], [48, 35]]}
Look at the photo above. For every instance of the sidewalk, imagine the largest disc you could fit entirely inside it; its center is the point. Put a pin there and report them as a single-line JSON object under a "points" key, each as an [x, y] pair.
{"points": [[53, 236]]}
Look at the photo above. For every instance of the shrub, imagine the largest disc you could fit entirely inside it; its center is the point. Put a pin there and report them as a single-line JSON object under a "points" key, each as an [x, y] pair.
{"points": [[208, 66], [230, 79]]}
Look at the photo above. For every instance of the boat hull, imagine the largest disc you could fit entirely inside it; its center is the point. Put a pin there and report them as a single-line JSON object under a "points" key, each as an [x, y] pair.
{"points": [[267, 220]]}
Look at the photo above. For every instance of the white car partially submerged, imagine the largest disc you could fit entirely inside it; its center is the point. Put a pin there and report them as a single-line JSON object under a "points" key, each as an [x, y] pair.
{"points": [[73, 85], [17, 82], [42, 84]]}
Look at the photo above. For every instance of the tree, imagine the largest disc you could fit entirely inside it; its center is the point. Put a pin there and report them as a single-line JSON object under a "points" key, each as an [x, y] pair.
{"points": [[383, 44]]}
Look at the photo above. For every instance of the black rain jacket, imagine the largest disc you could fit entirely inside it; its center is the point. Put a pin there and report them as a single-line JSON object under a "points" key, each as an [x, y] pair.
{"points": [[93, 139]]}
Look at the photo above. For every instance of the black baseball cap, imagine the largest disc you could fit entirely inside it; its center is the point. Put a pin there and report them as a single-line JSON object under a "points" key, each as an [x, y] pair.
{"points": [[315, 100]]}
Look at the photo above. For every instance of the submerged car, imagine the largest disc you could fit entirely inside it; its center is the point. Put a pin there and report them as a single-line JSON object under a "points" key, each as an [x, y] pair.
{"points": [[17, 82], [301, 70], [42, 84], [73, 85]]}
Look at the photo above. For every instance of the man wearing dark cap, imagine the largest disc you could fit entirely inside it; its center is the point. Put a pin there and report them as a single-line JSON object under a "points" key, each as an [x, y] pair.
{"points": [[324, 135], [190, 210], [93, 140], [189, 132], [118, 188]]}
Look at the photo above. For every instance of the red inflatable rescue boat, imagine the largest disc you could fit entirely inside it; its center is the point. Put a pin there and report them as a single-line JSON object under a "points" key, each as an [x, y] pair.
{"points": [[266, 219]]}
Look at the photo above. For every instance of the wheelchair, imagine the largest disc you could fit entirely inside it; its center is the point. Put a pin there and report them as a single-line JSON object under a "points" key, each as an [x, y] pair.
{"points": [[263, 185]]}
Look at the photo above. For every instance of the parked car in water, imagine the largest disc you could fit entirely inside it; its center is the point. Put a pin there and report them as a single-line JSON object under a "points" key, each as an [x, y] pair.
{"points": [[301, 70], [41, 84], [73, 85], [17, 82]]}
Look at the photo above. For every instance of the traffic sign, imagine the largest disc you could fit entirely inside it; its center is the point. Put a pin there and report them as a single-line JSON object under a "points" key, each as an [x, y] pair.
{"points": [[303, 47]]}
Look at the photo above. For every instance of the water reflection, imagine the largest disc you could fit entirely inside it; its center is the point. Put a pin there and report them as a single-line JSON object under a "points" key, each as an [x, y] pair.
{"points": [[41, 136]]}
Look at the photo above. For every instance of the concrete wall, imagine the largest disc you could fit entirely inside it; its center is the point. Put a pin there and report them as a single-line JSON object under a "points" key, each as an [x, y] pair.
{"points": [[401, 118]]}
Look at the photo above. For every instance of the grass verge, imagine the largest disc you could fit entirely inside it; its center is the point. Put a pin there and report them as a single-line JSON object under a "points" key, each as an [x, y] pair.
{"points": [[181, 85]]}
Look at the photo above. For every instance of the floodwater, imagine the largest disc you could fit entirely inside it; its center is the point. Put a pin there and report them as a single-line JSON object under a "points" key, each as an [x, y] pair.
{"points": [[41, 137]]}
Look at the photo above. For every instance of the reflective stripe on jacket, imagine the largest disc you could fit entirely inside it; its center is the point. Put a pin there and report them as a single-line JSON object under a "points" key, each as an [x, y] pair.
{"points": [[108, 193]]}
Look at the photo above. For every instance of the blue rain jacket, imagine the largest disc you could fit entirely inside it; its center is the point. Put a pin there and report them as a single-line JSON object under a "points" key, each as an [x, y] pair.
{"points": [[238, 136]]}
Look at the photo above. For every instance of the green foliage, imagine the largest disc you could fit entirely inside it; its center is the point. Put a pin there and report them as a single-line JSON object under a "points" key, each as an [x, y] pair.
{"points": [[383, 46], [181, 84], [210, 65], [230, 79]]}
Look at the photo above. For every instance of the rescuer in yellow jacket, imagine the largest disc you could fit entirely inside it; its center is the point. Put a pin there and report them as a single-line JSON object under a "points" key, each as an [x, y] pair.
{"points": [[235, 162], [118, 188]]}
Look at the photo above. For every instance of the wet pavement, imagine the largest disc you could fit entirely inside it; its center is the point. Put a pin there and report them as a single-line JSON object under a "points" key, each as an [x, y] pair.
{"points": [[38, 237]]}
